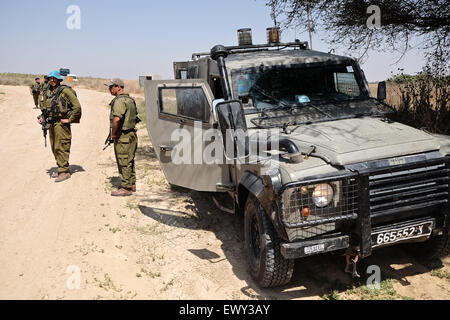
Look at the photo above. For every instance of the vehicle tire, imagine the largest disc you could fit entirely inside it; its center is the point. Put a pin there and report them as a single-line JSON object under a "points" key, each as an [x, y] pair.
{"points": [[267, 265], [434, 248]]}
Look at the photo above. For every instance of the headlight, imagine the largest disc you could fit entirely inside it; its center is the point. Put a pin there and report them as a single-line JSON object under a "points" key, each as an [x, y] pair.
{"points": [[323, 195]]}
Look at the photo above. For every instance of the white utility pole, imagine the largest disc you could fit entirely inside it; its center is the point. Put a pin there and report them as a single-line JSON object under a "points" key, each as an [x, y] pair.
{"points": [[309, 25]]}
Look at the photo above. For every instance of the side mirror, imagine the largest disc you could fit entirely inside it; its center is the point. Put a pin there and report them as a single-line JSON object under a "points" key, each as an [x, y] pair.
{"points": [[234, 128], [381, 94], [214, 108]]}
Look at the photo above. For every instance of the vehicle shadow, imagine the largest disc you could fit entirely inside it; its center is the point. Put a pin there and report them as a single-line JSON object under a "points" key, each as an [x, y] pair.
{"points": [[313, 276], [73, 170], [399, 263]]}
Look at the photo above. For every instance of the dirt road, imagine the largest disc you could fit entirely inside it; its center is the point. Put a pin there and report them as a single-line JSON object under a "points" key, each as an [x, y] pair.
{"points": [[159, 244]]}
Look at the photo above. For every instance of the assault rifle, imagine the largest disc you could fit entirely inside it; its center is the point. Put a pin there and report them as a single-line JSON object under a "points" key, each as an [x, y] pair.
{"points": [[108, 141], [44, 126]]}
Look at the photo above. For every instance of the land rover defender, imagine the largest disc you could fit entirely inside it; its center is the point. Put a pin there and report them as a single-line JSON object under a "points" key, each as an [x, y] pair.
{"points": [[333, 171]]}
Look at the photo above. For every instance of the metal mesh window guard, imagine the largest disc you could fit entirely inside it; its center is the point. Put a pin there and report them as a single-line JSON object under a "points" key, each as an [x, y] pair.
{"points": [[309, 217]]}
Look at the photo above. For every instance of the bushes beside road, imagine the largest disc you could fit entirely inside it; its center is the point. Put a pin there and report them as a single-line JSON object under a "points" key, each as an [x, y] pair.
{"points": [[20, 79]]}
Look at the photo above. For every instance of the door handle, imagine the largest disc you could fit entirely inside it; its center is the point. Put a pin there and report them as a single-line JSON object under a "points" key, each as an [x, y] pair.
{"points": [[165, 148]]}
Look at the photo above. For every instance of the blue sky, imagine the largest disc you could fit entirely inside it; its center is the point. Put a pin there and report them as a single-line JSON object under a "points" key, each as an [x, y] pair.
{"points": [[136, 37]]}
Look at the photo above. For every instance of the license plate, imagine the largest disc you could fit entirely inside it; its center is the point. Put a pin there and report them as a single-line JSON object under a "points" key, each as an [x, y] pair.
{"points": [[401, 234]]}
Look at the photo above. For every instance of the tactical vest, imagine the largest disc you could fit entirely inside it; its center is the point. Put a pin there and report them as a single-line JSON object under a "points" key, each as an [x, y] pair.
{"points": [[56, 105], [131, 116], [36, 88], [48, 94], [45, 88]]}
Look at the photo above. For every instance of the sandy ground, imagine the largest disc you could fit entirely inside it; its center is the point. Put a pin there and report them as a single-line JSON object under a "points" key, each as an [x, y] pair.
{"points": [[159, 244]]}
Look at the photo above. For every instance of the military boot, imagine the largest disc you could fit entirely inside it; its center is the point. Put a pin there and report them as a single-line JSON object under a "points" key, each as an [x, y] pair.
{"points": [[122, 192], [133, 188], [62, 177]]}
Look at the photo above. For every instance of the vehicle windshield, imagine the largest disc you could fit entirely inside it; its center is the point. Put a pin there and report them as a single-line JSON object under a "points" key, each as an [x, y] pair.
{"points": [[308, 93], [281, 86]]}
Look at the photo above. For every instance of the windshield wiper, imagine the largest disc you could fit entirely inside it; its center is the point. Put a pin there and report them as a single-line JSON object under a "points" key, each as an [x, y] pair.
{"points": [[309, 104], [358, 98], [280, 103], [363, 114], [349, 99], [371, 114]]}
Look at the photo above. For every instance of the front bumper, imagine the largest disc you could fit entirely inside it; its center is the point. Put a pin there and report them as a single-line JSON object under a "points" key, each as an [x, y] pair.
{"points": [[294, 250]]}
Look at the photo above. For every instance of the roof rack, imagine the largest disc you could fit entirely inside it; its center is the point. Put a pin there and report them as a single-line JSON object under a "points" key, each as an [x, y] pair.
{"points": [[257, 47]]}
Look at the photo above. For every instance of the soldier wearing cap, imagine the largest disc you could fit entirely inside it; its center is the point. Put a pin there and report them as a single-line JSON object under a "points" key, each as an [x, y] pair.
{"points": [[35, 91], [61, 109], [123, 119]]}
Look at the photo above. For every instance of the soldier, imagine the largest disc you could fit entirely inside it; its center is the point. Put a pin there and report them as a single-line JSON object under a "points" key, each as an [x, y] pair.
{"points": [[44, 87], [35, 91], [61, 109], [123, 119]]}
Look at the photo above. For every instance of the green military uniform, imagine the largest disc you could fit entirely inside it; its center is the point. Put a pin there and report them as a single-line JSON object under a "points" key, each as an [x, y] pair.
{"points": [[124, 107], [44, 87], [61, 103], [36, 91]]}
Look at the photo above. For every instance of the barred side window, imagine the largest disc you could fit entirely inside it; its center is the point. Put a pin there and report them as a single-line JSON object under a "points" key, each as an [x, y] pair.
{"points": [[187, 102]]}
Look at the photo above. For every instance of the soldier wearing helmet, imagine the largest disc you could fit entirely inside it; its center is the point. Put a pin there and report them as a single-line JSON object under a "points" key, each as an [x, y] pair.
{"points": [[61, 109]]}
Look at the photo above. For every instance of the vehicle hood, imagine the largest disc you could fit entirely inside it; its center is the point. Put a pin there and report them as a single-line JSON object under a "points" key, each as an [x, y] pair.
{"points": [[356, 140]]}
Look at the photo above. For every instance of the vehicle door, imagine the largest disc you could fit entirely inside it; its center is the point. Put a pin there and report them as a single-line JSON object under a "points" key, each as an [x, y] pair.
{"points": [[178, 110]]}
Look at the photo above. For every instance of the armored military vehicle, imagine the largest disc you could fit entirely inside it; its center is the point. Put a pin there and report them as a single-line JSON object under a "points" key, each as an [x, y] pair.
{"points": [[332, 173]]}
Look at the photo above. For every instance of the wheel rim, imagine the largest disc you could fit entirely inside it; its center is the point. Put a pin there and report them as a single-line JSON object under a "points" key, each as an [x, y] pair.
{"points": [[255, 248]]}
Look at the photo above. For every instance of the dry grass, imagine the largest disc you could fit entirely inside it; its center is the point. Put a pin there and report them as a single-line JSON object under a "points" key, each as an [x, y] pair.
{"points": [[420, 101], [441, 273], [393, 96], [98, 84], [19, 79], [393, 93]]}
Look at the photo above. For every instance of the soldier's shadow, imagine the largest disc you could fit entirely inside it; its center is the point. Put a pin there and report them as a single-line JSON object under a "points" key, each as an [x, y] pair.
{"points": [[116, 182], [73, 169]]}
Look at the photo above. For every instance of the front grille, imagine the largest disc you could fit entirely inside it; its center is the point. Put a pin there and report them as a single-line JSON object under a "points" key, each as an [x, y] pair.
{"points": [[320, 220], [417, 187]]}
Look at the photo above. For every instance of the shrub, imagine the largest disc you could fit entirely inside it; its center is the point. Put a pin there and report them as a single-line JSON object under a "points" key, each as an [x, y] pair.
{"points": [[424, 98]]}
